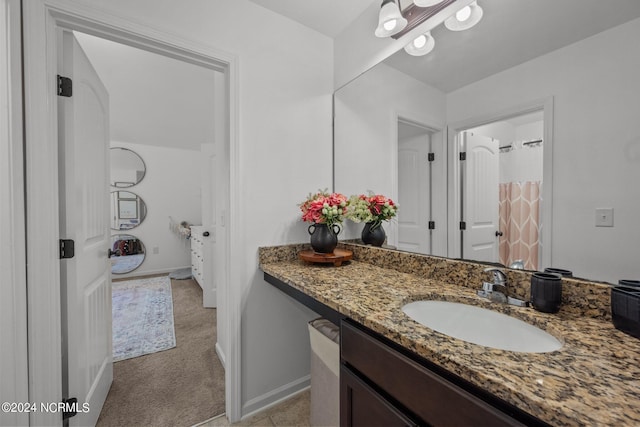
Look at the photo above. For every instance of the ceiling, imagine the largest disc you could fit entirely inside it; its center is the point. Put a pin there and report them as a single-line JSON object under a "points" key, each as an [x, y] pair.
{"points": [[154, 99], [510, 33], [329, 17]]}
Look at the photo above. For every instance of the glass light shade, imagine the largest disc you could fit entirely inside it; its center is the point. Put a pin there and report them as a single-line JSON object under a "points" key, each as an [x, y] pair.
{"points": [[465, 18], [421, 45], [390, 20], [426, 3]]}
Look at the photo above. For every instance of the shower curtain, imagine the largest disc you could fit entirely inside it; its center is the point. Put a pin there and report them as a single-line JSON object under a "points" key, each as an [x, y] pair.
{"points": [[519, 223]]}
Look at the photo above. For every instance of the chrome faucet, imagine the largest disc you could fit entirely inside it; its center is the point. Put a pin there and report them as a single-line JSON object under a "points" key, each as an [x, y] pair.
{"points": [[498, 291]]}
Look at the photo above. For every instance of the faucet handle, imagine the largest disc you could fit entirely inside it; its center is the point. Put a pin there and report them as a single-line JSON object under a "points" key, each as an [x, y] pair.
{"points": [[499, 277]]}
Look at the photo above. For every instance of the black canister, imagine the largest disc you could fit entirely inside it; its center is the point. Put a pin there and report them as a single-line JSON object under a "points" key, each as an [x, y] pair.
{"points": [[546, 292], [560, 271]]}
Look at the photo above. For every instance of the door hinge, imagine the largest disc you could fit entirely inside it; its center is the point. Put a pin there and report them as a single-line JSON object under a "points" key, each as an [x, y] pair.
{"points": [[67, 248], [463, 155], [463, 225], [65, 86], [432, 225], [70, 408], [431, 157]]}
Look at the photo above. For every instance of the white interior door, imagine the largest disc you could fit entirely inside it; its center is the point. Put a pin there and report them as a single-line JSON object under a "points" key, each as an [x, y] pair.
{"points": [[84, 218], [480, 195], [414, 191], [208, 167]]}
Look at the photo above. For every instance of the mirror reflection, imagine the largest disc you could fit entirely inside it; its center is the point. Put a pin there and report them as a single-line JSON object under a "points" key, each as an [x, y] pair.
{"points": [[127, 253], [127, 167], [497, 73], [128, 210], [501, 180]]}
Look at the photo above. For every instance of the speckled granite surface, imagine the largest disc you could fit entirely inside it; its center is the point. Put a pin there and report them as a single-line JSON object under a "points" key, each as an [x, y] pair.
{"points": [[593, 380]]}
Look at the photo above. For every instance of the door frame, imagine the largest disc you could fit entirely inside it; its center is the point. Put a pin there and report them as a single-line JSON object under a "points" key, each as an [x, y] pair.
{"points": [[13, 287], [453, 178], [41, 18], [438, 176]]}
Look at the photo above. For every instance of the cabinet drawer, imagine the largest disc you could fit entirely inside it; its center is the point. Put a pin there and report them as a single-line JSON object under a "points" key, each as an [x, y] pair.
{"points": [[429, 396], [361, 406]]}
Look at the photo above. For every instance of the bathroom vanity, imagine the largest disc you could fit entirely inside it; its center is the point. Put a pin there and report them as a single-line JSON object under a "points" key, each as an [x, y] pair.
{"points": [[395, 371]]}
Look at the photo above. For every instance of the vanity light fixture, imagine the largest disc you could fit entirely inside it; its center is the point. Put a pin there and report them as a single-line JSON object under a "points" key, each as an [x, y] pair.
{"points": [[390, 20], [465, 18], [426, 3], [421, 45]]}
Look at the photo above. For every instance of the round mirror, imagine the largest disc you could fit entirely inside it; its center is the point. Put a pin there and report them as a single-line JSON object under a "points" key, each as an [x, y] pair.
{"points": [[127, 168], [128, 210], [127, 253]]}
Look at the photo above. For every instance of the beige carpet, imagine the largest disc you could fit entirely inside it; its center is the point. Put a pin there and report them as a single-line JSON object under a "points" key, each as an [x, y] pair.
{"points": [[182, 386]]}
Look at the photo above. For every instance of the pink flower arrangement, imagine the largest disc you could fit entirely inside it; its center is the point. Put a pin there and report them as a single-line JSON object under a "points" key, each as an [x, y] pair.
{"points": [[373, 208], [324, 208]]}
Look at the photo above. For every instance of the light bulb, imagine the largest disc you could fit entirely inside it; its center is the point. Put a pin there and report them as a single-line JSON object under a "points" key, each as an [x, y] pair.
{"points": [[426, 3], [390, 24], [463, 14], [390, 19], [465, 18], [420, 41], [421, 45]]}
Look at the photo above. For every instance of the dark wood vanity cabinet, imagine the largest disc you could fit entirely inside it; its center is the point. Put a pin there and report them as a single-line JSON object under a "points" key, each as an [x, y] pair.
{"points": [[381, 386]]}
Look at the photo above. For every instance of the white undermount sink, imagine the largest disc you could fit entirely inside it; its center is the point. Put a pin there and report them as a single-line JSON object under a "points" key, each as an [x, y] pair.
{"points": [[481, 326]]}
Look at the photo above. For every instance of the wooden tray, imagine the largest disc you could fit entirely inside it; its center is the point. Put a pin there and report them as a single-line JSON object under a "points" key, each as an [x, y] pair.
{"points": [[336, 258]]}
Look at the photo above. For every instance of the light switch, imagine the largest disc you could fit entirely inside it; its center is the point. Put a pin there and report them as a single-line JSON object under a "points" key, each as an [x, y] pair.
{"points": [[604, 217]]}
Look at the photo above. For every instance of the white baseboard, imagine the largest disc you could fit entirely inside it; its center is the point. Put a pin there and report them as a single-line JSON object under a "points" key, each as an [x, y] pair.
{"points": [[274, 397], [221, 356], [141, 273]]}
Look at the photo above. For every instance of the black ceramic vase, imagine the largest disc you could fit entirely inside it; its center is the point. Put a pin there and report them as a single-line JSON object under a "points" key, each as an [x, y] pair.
{"points": [[546, 292], [324, 238], [373, 234]]}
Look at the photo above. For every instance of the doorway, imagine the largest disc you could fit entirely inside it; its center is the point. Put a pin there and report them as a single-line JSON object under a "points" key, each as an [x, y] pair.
{"points": [[155, 153], [414, 187], [40, 51], [501, 180]]}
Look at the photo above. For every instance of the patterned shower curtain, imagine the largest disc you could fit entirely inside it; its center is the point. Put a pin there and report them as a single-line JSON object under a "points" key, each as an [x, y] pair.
{"points": [[519, 223]]}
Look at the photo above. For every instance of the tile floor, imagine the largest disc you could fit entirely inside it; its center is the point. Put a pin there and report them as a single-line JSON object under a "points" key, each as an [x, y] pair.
{"points": [[292, 412]]}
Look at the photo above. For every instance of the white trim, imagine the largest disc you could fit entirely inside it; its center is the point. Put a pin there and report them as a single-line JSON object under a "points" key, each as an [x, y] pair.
{"points": [[285, 392], [41, 19], [135, 273], [221, 356], [14, 386], [545, 104]]}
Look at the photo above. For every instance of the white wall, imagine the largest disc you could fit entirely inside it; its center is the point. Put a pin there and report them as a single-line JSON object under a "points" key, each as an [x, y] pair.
{"points": [[170, 187], [596, 145], [286, 83]]}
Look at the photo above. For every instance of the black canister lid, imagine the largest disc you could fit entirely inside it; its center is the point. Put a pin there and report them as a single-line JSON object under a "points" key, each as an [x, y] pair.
{"points": [[547, 276], [560, 271], [629, 282]]}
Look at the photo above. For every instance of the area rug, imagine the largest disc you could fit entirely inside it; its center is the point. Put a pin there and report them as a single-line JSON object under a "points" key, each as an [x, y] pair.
{"points": [[142, 317]]}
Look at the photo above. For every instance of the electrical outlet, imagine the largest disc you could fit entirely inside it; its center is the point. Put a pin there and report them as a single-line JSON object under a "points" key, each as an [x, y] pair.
{"points": [[156, 250], [604, 217]]}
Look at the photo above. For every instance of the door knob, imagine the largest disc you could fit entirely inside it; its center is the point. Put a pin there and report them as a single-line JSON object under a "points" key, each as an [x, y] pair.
{"points": [[205, 234], [498, 233]]}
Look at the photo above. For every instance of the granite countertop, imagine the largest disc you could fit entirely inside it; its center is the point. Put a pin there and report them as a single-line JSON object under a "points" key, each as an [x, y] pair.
{"points": [[594, 379]]}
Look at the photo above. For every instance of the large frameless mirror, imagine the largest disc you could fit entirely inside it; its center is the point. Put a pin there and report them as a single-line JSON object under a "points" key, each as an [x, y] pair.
{"points": [[128, 210], [127, 253], [127, 168]]}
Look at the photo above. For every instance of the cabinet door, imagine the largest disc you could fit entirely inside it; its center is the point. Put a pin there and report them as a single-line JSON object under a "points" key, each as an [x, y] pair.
{"points": [[360, 405]]}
